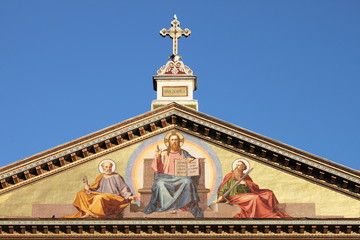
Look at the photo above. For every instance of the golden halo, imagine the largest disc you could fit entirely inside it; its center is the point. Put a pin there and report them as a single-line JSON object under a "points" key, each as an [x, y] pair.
{"points": [[247, 164], [167, 136]]}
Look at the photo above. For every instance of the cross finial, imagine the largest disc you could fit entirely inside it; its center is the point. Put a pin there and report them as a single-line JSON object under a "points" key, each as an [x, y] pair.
{"points": [[175, 32]]}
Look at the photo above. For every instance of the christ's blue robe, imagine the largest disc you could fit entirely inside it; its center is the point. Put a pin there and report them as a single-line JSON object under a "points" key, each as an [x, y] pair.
{"points": [[171, 192]]}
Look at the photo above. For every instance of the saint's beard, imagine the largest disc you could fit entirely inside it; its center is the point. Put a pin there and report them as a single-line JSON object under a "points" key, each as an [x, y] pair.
{"points": [[107, 172], [237, 174]]}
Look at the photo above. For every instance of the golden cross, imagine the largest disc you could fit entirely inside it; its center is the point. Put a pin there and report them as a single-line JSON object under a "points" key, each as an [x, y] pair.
{"points": [[175, 32]]}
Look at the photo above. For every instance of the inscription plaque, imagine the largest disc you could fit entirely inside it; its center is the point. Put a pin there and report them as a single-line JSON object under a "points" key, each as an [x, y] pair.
{"points": [[175, 91]]}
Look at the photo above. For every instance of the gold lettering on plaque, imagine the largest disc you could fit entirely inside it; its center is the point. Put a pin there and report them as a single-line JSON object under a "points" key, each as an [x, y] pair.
{"points": [[176, 91]]}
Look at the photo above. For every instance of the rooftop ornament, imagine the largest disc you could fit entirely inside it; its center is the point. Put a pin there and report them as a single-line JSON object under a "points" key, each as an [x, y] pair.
{"points": [[175, 32]]}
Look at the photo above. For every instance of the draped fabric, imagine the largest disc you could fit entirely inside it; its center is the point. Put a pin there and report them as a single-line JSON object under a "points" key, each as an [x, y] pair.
{"points": [[171, 192], [108, 198], [258, 203]]}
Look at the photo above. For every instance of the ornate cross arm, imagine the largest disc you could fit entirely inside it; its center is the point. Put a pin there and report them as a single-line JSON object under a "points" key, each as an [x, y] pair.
{"points": [[175, 32]]}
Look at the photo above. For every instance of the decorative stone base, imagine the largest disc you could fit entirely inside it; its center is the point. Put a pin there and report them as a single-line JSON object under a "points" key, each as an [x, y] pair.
{"points": [[188, 103]]}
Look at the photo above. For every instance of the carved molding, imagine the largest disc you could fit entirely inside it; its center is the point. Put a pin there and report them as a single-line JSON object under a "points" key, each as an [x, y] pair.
{"points": [[180, 229], [175, 68]]}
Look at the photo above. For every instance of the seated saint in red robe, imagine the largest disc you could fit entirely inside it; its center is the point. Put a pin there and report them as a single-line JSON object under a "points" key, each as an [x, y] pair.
{"points": [[253, 202]]}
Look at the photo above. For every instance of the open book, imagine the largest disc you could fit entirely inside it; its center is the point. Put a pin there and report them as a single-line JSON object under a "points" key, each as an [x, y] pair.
{"points": [[184, 169]]}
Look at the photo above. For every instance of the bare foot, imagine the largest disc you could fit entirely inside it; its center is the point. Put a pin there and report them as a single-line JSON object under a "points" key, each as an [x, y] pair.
{"points": [[85, 216], [173, 212]]}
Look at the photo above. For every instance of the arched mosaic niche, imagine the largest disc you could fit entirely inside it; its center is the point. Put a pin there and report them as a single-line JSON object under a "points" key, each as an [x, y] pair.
{"points": [[197, 148]]}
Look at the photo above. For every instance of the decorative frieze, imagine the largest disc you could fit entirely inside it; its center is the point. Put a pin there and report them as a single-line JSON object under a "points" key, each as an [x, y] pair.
{"points": [[85, 152], [332, 179], [119, 139], [97, 148], [131, 135], [153, 127], [286, 162], [183, 123], [195, 127], [74, 157], [38, 170], [15, 179], [263, 153], [206, 131], [142, 131], [252, 149], [108, 144], [321, 175], [4, 184], [217, 136], [27, 175], [62, 161], [163, 123]]}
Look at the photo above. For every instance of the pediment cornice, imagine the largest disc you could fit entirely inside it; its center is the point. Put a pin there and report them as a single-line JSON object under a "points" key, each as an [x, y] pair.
{"points": [[180, 229], [226, 135]]}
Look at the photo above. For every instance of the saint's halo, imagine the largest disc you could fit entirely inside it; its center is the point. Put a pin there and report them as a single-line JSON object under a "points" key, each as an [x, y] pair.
{"points": [[104, 161], [236, 161]]}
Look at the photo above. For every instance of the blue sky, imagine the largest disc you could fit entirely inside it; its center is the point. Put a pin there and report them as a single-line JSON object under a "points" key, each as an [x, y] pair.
{"points": [[288, 70]]}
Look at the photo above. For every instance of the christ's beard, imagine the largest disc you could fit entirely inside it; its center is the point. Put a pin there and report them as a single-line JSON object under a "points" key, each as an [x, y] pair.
{"points": [[175, 147], [237, 174]]}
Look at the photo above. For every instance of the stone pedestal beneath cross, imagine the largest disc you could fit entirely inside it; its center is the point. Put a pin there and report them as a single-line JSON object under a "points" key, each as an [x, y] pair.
{"points": [[177, 88], [175, 81]]}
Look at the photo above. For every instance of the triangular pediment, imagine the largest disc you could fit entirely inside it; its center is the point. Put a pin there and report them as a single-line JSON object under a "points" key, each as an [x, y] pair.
{"points": [[306, 186], [209, 129]]}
